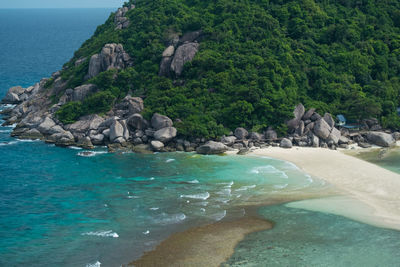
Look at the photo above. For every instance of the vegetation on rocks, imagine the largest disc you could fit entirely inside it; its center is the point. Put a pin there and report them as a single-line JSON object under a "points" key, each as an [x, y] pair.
{"points": [[257, 59]]}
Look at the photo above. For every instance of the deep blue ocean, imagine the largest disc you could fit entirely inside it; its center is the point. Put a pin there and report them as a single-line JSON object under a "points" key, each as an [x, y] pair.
{"points": [[62, 207]]}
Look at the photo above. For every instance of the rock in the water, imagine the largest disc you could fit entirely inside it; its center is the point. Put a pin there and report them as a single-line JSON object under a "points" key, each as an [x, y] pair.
{"points": [[183, 54], [112, 56], [160, 121], [116, 131], [381, 139], [11, 98], [212, 147], [157, 145], [241, 133], [322, 129], [299, 111], [165, 134], [228, 140], [85, 142], [286, 143]]}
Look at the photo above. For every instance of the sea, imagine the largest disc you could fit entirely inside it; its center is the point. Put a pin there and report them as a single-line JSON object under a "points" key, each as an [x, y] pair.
{"points": [[73, 207]]}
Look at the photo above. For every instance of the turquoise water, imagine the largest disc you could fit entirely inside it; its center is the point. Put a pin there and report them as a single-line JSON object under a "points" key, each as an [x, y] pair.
{"points": [[66, 207]]}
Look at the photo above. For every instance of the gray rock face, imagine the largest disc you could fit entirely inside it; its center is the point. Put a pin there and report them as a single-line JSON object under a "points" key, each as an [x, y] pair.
{"points": [[328, 118], [165, 134], [299, 111], [286, 143], [137, 122], [241, 133], [120, 19], [228, 140], [11, 98], [81, 92], [86, 123], [322, 129], [165, 66], [334, 136], [128, 106], [212, 147], [183, 54], [112, 56], [159, 121], [381, 139], [169, 51], [157, 145], [270, 134], [314, 140], [97, 139], [46, 125], [256, 136], [116, 131], [308, 114], [315, 117], [85, 142], [396, 136]]}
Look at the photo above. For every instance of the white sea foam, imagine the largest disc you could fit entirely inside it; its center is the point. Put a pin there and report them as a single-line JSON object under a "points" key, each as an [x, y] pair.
{"points": [[225, 192], [195, 181], [219, 216], [91, 153], [202, 196], [28, 140], [146, 232], [75, 147], [165, 218], [246, 187], [280, 186], [109, 233], [151, 178], [227, 184], [96, 264], [133, 197], [5, 131], [11, 126], [155, 208], [202, 209], [169, 160], [269, 169], [9, 143]]}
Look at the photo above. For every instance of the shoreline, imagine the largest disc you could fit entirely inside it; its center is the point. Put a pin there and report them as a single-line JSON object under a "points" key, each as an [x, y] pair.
{"points": [[370, 186]]}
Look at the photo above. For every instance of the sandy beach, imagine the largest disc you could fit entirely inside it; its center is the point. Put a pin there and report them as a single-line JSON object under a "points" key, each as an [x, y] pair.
{"points": [[370, 193]]}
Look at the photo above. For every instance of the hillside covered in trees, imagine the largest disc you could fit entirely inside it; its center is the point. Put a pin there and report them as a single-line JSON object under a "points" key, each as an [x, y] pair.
{"points": [[256, 60]]}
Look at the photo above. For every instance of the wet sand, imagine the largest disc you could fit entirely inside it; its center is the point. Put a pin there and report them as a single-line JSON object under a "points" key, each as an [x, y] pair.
{"points": [[376, 188], [208, 245]]}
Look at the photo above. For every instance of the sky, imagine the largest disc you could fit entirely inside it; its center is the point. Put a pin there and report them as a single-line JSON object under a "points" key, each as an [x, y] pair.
{"points": [[60, 3]]}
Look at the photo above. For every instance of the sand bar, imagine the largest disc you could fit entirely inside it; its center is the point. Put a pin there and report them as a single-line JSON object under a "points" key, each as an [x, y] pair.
{"points": [[377, 188]]}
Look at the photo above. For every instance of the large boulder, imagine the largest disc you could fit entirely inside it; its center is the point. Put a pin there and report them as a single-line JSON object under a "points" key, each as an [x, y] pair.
{"points": [[308, 114], [169, 51], [112, 56], [334, 136], [228, 140], [190, 36], [322, 129], [165, 134], [81, 92], [46, 125], [159, 121], [241, 133], [116, 131], [137, 122], [299, 111], [165, 66], [256, 136], [86, 123], [11, 98], [286, 143], [328, 118], [270, 134], [381, 139], [212, 147], [156, 145], [128, 106], [183, 54]]}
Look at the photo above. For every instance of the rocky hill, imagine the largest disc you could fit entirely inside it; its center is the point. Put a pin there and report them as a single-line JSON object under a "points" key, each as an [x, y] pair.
{"points": [[173, 74]]}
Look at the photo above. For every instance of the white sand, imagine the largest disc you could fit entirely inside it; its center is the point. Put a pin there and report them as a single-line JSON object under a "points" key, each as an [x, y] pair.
{"points": [[378, 189]]}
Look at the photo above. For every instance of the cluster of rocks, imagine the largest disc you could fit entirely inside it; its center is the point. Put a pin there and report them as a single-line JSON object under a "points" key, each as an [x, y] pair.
{"points": [[17, 94], [178, 52], [112, 56], [120, 19]]}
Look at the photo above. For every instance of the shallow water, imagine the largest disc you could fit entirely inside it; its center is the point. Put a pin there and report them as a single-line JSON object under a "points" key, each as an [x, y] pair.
{"points": [[307, 238]]}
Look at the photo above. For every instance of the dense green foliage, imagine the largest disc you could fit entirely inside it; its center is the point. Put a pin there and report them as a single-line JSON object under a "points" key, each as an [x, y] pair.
{"points": [[258, 60]]}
